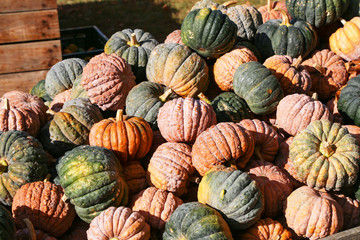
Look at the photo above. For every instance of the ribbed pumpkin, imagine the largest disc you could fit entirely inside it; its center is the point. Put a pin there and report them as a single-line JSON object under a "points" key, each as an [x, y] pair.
{"points": [[108, 80], [158, 139], [59, 100], [41, 202], [183, 120], [208, 41], [22, 160], [296, 111], [351, 210], [265, 138], [128, 137], [7, 225], [223, 144], [179, 68], [135, 176], [170, 168], [119, 224], [332, 106], [226, 65], [78, 91], [39, 90], [324, 215], [258, 87], [145, 100], [268, 12], [273, 183], [156, 206], [234, 194], [92, 179], [292, 76], [349, 102], [134, 46], [328, 73], [174, 37], [266, 229], [354, 131], [62, 75], [325, 155], [196, 221]]}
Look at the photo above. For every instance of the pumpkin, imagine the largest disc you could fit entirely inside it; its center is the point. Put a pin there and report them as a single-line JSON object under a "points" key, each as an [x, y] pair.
{"points": [[229, 107], [226, 144], [39, 90], [179, 68], [25, 234], [234, 194], [158, 139], [107, 79], [265, 138], [273, 183], [170, 168], [156, 205], [258, 87], [328, 73], [266, 229], [268, 11], [135, 176], [128, 137], [209, 3], [349, 100], [92, 179], [7, 225], [208, 41], [332, 106], [41, 202], [77, 91], [226, 65], [292, 76], [351, 210], [325, 155], [22, 160], [183, 120], [145, 100], [62, 75], [196, 221], [282, 37], [58, 102], [134, 46], [174, 37], [324, 215], [119, 224], [296, 111], [354, 131], [352, 11], [317, 12]]}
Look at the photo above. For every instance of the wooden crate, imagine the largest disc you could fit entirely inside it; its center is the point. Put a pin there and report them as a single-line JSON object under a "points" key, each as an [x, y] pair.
{"points": [[29, 42]]}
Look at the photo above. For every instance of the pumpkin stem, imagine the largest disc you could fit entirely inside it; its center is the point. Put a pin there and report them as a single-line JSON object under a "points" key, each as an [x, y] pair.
{"points": [[120, 115], [297, 62], [213, 7], [166, 94], [315, 96], [319, 68], [64, 198], [6, 104], [204, 98], [3, 165], [195, 179], [343, 21], [30, 226], [327, 149], [257, 152], [228, 3], [285, 17], [133, 41], [269, 5], [47, 178]]}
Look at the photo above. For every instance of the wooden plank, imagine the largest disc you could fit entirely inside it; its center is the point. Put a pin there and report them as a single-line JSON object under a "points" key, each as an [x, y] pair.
{"points": [[26, 5], [29, 26], [351, 234], [20, 81], [32, 56]]}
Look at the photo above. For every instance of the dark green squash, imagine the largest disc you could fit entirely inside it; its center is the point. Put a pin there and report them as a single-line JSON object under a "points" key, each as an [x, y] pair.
{"points": [[258, 87], [77, 91], [208, 3], [353, 10], [92, 179], [196, 221], [39, 90], [7, 224], [22, 160], [135, 47], [349, 101], [208, 32]]}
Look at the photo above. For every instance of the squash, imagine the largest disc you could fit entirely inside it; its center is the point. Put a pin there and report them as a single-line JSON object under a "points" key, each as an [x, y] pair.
{"points": [[59, 100], [39, 90], [77, 91], [158, 139], [135, 177], [7, 224], [174, 37], [349, 102], [351, 210], [268, 11], [209, 3], [354, 131]]}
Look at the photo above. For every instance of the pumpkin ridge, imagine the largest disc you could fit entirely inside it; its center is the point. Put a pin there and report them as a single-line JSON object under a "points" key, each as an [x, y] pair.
{"points": [[174, 150], [71, 136], [177, 166], [346, 167], [227, 148], [134, 137]]}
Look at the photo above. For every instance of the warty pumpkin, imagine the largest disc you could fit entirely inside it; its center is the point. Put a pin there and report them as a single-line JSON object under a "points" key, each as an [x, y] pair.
{"points": [[135, 177]]}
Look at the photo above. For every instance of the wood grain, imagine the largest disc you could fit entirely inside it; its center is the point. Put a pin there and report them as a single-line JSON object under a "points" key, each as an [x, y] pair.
{"points": [[26, 5]]}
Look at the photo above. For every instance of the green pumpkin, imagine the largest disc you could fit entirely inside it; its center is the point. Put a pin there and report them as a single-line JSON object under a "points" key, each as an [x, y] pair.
{"points": [[77, 90], [349, 101], [92, 179], [353, 10], [135, 47], [234, 194], [229, 107], [208, 32], [317, 12], [145, 100], [280, 37], [62, 75], [7, 224], [22, 160], [208, 4], [325, 156], [258, 87], [39, 90], [196, 221]]}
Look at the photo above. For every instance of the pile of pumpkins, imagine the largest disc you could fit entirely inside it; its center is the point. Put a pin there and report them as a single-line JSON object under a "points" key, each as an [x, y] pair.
{"points": [[243, 124]]}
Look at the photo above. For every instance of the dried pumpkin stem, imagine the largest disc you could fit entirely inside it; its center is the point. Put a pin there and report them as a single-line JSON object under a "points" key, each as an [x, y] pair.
{"points": [[343, 21], [133, 40], [120, 115], [229, 3], [327, 149], [315, 96], [6, 104], [319, 68], [3, 165], [64, 198], [47, 178], [285, 17], [296, 64], [30, 226], [204, 98], [166, 94], [269, 5]]}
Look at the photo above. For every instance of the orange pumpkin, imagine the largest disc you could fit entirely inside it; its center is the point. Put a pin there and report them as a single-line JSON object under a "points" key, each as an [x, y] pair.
{"points": [[268, 11], [351, 210]]}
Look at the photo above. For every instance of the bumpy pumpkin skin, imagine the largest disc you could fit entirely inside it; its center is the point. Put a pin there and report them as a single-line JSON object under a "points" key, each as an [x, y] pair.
{"points": [[92, 179], [174, 37], [234, 194], [324, 214], [194, 220], [325, 155], [267, 11], [108, 80], [62, 75], [22, 160], [183, 120], [208, 43], [135, 177], [7, 224], [223, 144], [179, 68], [349, 102], [41, 202], [119, 223], [156, 205], [351, 210]]}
